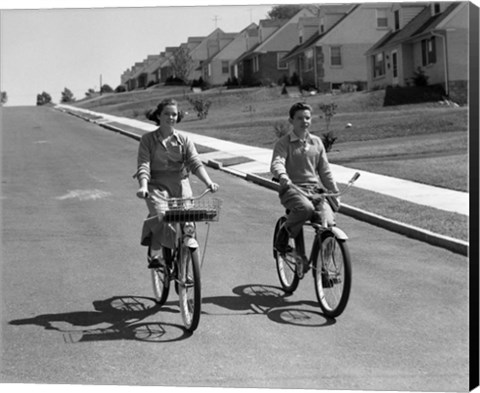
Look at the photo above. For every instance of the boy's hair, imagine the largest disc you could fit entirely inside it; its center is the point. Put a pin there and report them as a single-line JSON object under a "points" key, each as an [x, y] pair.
{"points": [[152, 114], [299, 106]]}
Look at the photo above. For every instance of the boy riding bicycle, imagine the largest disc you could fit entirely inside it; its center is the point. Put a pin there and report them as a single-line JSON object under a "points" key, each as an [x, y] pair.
{"points": [[299, 158]]}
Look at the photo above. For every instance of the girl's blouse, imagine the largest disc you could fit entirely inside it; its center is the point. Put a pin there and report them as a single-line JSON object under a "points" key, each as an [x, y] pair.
{"points": [[304, 161], [161, 162]]}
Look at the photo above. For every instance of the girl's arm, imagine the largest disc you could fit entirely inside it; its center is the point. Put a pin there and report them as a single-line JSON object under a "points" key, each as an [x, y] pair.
{"points": [[143, 168], [202, 174]]}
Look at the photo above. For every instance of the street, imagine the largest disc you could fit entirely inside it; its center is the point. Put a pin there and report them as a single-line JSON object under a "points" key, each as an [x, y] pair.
{"points": [[77, 302]]}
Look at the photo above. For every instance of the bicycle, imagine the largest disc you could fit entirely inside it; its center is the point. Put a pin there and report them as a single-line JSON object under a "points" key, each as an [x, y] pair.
{"points": [[329, 259], [182, 263]]}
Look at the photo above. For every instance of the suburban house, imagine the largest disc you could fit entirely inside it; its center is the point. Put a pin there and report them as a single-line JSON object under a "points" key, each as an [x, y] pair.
{"points": [[128, 78], [218, 69], [141, 76], [165, 70], [263, 63], [333, 57], [206, 49], [431, 38]]}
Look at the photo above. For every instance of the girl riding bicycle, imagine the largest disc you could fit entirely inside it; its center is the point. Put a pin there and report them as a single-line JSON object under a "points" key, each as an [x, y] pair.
{"points": [[299, 158], [165, 159]]}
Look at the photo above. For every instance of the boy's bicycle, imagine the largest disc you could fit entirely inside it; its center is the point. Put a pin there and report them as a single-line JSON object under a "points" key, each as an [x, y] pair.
{"points": [[329, 259], [182, 263]]}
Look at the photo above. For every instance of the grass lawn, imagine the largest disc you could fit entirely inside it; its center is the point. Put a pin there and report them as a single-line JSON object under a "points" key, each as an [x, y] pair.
{"points": [[426, 143]]}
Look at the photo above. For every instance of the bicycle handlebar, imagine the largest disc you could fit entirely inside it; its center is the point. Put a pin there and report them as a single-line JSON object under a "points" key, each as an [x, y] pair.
{"points": [[329, 194], [178, 199]]}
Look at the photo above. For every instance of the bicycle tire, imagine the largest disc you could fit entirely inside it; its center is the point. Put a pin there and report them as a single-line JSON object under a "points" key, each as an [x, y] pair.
{"points": [[286, 264], [189, 287], [161, 282], [332, 273]]}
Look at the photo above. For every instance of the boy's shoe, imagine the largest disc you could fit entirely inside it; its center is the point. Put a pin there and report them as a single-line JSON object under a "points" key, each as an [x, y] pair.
{"points": [[281, 242], [302, 265]]}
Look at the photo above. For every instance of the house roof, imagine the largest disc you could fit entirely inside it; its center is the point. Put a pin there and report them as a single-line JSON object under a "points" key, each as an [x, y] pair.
{"points": [[313, 39], [423, 23]]}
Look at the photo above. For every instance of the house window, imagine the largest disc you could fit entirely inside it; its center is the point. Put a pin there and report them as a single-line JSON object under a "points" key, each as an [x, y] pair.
{"points": [[281, 64], [256, 65], [397, 19], [322, 24], [382, 19], [308, 63], [378, 61], [429, 55], [335, 56], [436, 8], [225, 67]]}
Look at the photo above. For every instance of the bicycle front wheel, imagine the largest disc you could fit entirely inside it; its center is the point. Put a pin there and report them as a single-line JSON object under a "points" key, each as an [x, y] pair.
{"points": [[161, 282], [332, 273], [286, 263], [189, 287]]}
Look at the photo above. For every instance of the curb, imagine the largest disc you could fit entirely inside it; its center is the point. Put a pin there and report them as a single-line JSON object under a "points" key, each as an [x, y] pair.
{"points": [[451, 244]]}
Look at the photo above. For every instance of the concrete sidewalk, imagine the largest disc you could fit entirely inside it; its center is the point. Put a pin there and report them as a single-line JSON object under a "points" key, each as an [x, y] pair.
{"points": [[258, 162]]}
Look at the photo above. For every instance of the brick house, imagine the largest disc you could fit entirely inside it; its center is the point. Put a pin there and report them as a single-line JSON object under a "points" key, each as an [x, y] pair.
{"points": [[263, 63], [219, 68], [206, 49], [431, 37]]}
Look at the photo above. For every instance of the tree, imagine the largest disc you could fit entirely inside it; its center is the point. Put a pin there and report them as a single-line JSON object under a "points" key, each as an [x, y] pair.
{"points": [[286, 11], [3, 97], [106, 89], [90, 93], [67, 96], [43, 99], [182, 63]]}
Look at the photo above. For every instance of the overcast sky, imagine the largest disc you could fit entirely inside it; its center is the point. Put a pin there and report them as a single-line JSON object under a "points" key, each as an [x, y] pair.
{"points": [[47, 48]]}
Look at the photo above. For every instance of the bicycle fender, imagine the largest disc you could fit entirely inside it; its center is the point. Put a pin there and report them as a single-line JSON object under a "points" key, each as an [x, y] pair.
{"points": [[338, 233], [190, 242]]}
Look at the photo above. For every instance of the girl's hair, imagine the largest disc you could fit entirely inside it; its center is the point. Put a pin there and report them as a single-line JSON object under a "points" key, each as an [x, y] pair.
{"points": [[299, 106], [154, 113]]}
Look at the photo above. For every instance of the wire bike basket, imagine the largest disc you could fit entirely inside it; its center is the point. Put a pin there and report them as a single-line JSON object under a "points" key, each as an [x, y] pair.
{"points": [[191, 210]]}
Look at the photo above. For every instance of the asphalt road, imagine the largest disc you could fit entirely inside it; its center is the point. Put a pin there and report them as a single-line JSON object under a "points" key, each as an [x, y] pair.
{"points": [[76, 293]]}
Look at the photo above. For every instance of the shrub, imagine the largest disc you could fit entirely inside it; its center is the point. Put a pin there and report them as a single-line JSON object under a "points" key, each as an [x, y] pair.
{"points": [[200, 106], [328, 140], [120, 89], [328, 112], [419, 78]]}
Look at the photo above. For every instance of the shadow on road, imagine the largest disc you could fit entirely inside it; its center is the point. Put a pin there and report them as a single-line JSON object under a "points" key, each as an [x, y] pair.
{"points": [[272, 302], [116, 318]]}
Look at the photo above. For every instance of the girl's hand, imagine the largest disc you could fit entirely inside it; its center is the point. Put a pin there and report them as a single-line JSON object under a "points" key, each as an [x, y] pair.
{"points": [[142, 192], [213, 187]]}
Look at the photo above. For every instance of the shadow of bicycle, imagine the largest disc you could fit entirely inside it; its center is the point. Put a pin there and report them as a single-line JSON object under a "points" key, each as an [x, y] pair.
{"points": [[272, 302], [116, 318]]}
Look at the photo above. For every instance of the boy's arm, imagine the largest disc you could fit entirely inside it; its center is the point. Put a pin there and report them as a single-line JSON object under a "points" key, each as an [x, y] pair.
{"points": [[277, 165], [325, 172]]}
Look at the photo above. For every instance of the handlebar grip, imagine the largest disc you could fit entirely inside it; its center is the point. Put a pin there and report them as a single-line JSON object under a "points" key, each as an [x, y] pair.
{"points": [[355, 177]]}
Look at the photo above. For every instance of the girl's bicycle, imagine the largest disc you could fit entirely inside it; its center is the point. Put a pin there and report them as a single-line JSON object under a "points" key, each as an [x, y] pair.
{"points": [[182, 263], [329, 259]]}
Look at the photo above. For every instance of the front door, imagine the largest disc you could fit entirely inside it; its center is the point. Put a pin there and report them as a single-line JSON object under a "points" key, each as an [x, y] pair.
{"points": [[395, 67]]}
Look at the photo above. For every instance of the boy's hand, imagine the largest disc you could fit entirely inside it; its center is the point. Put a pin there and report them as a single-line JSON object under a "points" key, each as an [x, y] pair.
{"points": [[284, 180]]}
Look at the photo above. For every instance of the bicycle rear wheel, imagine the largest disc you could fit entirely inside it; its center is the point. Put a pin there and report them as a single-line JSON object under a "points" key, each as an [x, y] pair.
{"points": [[189, 287], [332, 273], [161, 282], [286, 263]]}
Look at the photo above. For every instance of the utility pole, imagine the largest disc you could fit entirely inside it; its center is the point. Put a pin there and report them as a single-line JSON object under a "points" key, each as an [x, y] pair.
{"points": [[100, 84]]}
